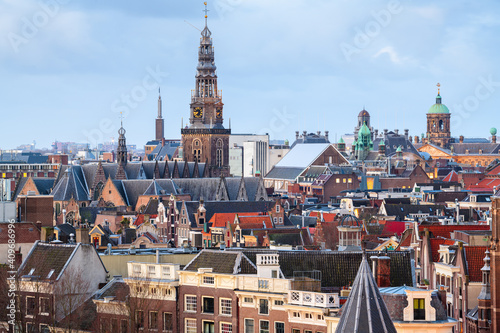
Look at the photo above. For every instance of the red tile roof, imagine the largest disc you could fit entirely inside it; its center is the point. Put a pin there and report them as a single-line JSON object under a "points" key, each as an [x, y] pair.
{"points": [[435, 244], [495, 171], [474, 256], [219, 220], [485, 184], [451, 177], [445, 231], [406, 238], [394, 227], [327, 217], [255, 222]]}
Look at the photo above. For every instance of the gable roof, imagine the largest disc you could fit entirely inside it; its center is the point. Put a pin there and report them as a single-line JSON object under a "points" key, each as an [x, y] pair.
{"points": [[45, 257], [445, 231], [474, 257], [451, 177], [225, 262], [365, 310]]}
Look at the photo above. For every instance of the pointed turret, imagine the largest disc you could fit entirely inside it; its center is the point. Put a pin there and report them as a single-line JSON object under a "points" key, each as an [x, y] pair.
{"points": [[365, 310]]}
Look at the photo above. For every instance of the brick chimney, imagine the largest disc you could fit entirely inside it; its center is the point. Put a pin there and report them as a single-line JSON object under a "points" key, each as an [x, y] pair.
{"points": [[461, 139], [82, 235], [383, 275], [417, 139]]}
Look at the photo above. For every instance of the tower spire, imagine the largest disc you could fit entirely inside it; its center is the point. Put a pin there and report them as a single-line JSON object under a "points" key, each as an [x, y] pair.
{"points": [[206, 14], [159, 125], [121, 151]]}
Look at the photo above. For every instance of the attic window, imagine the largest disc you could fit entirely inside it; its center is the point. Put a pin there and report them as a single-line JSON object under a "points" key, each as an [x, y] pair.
{"points": [[50, 274]]}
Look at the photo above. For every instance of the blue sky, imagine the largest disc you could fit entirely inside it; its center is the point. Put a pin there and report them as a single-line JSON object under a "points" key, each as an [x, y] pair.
{"points": [[68, 67]]}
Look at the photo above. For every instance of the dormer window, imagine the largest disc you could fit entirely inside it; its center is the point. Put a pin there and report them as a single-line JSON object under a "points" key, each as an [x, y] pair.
{"points": [[31, 271], [50, 274], [418, 309]]}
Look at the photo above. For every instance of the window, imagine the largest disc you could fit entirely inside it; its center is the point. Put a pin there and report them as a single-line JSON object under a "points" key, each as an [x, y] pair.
{"points": [[277, 208], [208, 304], [44, 328], [50, 273], [337, 180], [320, 317], [264, 326], [191, 326], [295, 330], [418, 309], [344, 180], [190, 303], [249, 326], [226, 328], [165, 271], [308, 331], [208, 280], [278, 302], [279, 327], [296, 314], [114, 325], [137, 269], [247, 300], [153, 320], [44, 305], [263, 306], [124, 326], [274, 274], [139, 319], [225, 306], [308, 315], [30, 305], [167, 322], [208, 327]]}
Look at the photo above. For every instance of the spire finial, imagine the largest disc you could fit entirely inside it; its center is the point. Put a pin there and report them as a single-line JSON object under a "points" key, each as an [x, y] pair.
{"points": [[206, 13], [438, 85], [121, 119]]}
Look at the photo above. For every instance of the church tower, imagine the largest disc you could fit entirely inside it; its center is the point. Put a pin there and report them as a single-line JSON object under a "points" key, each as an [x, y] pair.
{"points": [[206, 139], [438, 124], [159, 121], [121, 151]]}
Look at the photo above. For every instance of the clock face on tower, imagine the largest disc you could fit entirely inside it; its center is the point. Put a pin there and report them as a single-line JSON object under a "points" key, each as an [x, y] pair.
{"points": [[198, 112], [218, 113]]}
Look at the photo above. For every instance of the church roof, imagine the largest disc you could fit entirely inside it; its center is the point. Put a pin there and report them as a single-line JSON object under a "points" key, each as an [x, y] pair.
{"points": [[365, 310]]}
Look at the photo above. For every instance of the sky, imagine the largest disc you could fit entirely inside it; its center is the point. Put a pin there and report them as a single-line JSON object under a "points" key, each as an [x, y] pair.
{"points": [[68, 68]]}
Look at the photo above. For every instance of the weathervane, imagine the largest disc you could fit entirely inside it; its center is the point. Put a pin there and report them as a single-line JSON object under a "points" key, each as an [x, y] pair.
{"points": [[438, 85]]}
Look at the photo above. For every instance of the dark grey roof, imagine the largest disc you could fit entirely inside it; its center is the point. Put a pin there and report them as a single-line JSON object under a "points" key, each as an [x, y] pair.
{"points": [[25, 157], [473, 148], [135, 188], [66, 229], [233, 186], [252, 185], [305, 221], [198, 188], [290, 173], [311, 138], [400, 211], [365, 310], [225, 262], [70, 186], [393, 141]]}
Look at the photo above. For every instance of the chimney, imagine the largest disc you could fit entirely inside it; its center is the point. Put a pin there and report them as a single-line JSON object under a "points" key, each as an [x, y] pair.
{"points": [[396, 131], [461, 139], [417, 139], [163, 142], [494, 139], [326, 136], [374, 266], [384, 272], [296, 135], [442, 297], [82, 235], [376, 133], [304, 134], [318, 133], [385, 132], [406, 134]]}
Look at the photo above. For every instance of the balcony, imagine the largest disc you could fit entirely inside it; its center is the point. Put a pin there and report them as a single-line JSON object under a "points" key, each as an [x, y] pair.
{"points": [[320, 300]]}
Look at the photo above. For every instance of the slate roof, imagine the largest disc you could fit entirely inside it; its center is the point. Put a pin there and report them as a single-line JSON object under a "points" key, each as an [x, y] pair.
{"points": [[400, 211], [393, 141], [308, 220], [198, 188], [473, 148], [71, 185], [252, 185], [43, 185], [290, 173], [225, 262], [135, 188], [233, 186], [365, 310], [338, 269], [44, 257]]}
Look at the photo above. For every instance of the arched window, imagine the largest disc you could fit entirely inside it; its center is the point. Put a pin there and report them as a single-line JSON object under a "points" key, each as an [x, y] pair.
{"points": [[441, 125], [197, 150], [70, 218], [219, 156]]}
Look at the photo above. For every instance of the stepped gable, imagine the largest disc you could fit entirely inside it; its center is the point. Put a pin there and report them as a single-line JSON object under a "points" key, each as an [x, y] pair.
{"points": [[365, 310], [338, 269], [225, 262]]}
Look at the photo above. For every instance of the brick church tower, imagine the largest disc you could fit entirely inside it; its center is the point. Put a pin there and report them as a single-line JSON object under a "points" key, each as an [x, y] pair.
{"points": [[159, 124], [206, 139]]}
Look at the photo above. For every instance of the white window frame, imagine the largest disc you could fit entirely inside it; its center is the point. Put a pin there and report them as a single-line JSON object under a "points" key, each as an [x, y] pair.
{"points": [[246, 328], [188, 305], [189, 327], [223, 309], [226, 331]]}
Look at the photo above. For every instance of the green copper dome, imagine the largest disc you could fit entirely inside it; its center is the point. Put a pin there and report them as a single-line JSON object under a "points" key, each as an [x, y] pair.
{"points": [[438, 107], [341, 140], [493, 131], [399, 150]]}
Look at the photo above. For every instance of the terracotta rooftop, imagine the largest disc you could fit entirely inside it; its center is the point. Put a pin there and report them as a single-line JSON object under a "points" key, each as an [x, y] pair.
{"points": [[446, 230], [474, 256]]}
